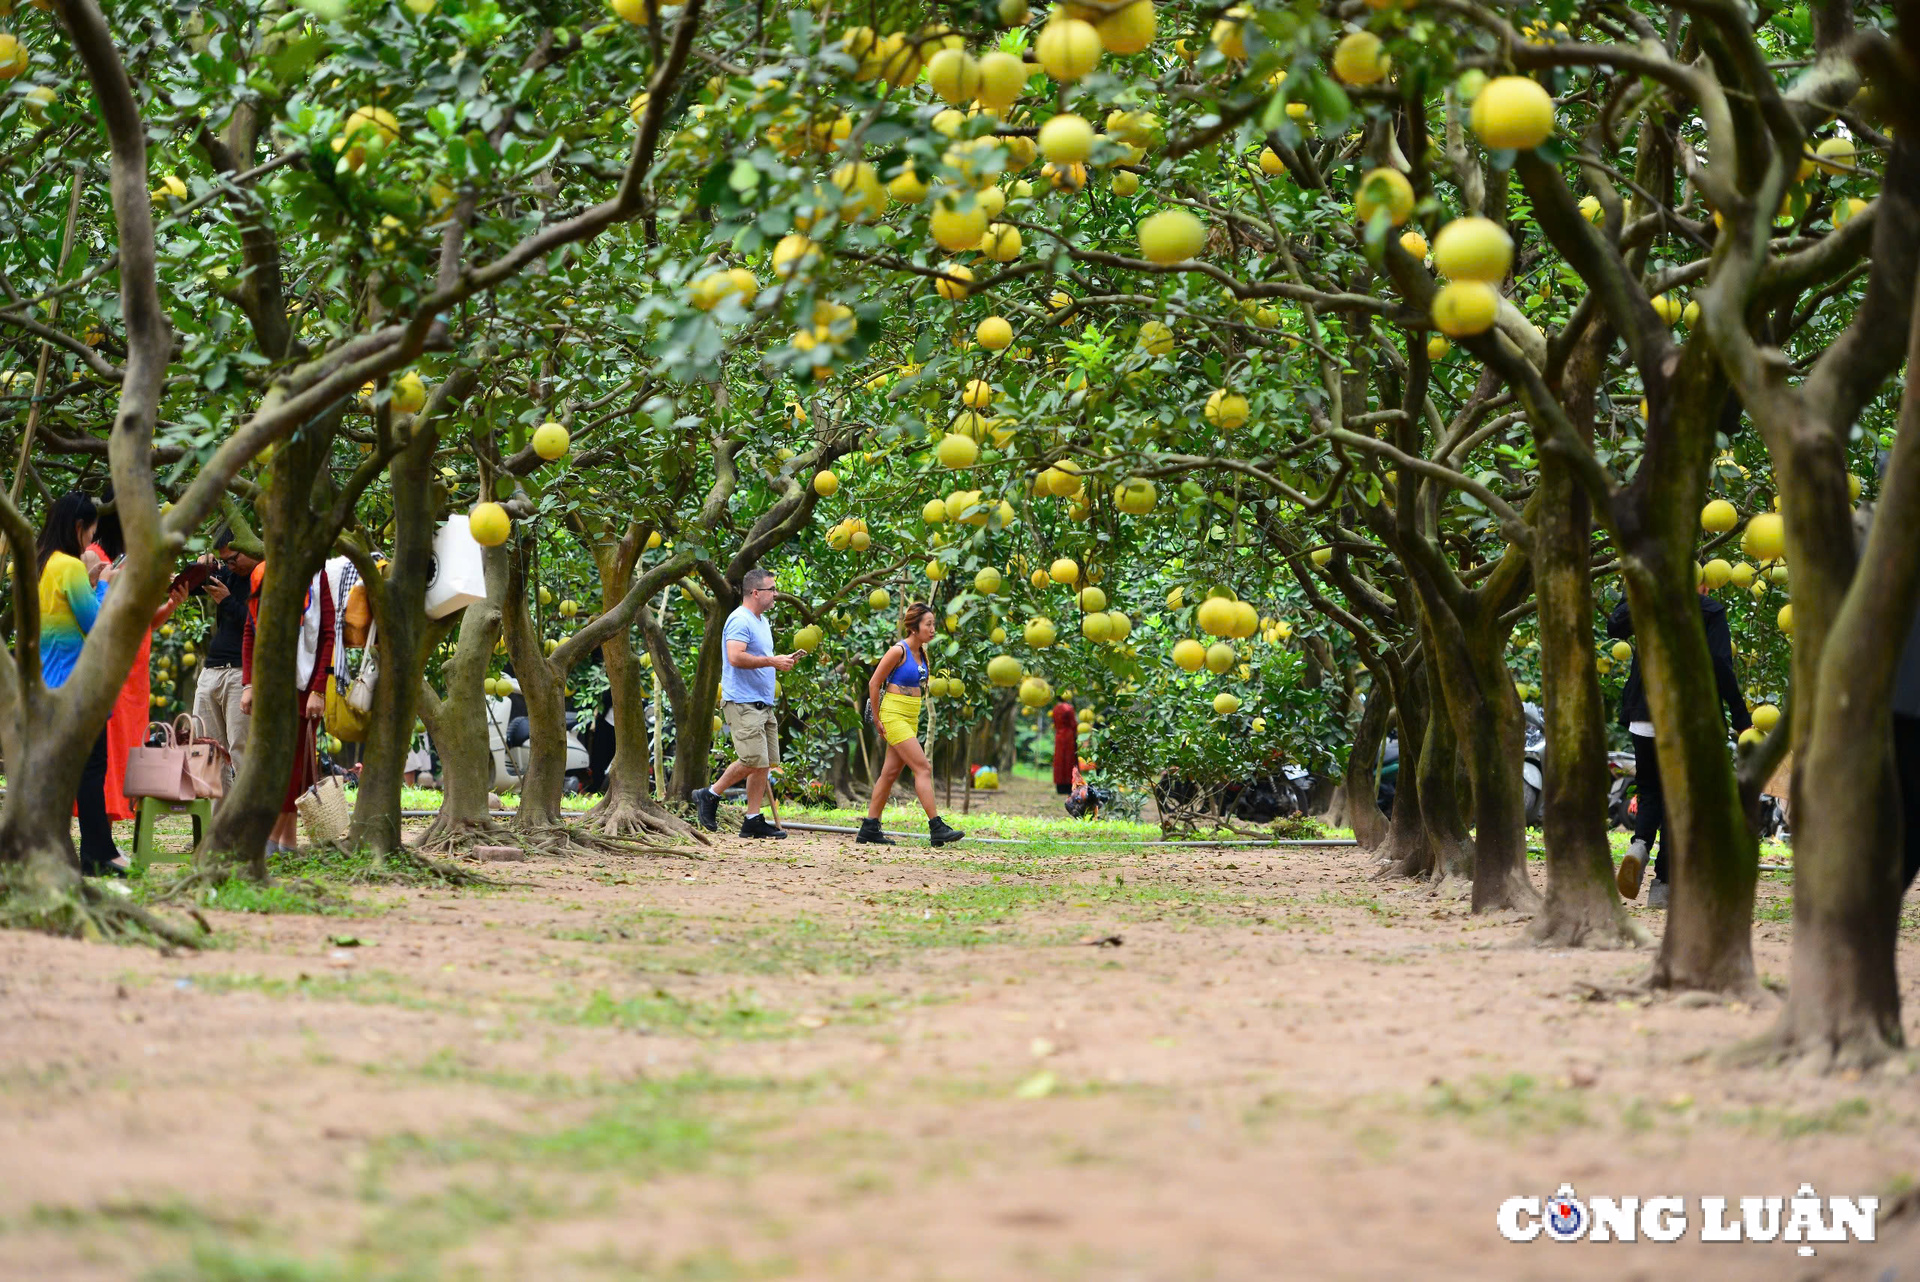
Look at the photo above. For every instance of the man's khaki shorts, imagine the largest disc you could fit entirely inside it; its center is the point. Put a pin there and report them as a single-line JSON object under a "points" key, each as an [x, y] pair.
{"points": [[756, 734]]}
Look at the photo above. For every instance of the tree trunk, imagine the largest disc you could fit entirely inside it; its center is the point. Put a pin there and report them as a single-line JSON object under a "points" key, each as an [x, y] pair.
{"points": [[1359, 790], [1444, 822], [459, 725], [1583, 906], [295, 550], [1715, 857], [1850, 621], [693, 732], [545, 782], [401, 649]]}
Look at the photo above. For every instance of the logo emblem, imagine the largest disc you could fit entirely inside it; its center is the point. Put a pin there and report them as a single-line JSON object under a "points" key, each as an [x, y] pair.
{"points": [[1566, 1216]]}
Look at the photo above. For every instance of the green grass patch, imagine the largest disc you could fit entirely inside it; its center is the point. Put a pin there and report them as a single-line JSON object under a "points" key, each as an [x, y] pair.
{"points": [[1514, 1104], [742, 1015]]}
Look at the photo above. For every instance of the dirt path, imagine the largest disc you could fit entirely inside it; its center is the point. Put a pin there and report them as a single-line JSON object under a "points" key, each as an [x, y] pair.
{"points": [[796, 1061]]}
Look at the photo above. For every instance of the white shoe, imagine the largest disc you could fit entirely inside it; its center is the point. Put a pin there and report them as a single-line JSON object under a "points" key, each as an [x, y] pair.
{"points": [[1659, 893], [1633, 867]]}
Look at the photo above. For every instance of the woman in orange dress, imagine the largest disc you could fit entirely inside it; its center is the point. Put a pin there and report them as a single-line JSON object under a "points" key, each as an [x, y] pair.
{"points": [[127, 728]]}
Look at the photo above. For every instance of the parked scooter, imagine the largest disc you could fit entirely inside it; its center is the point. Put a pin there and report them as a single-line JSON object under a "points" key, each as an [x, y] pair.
{"points": [[1533, 764], [508, 738]]}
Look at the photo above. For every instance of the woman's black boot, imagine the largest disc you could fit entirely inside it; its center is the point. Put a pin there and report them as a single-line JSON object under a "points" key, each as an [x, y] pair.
{"points": [[940, 834], [870, 834]]}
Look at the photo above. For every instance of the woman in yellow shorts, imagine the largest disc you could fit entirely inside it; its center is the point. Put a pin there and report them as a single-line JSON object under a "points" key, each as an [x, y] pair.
{"points": [[894, 694]]}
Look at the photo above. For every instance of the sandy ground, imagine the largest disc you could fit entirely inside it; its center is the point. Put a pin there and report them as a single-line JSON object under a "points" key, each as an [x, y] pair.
{"points": [[806, 1060]]}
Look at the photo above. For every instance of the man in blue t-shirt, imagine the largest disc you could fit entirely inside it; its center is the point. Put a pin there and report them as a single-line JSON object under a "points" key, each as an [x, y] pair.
{"points": [[746, 705]]}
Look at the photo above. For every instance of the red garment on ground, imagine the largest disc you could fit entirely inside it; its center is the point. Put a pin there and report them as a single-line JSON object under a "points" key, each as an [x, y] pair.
{"points": [[1066, 742], [306, 765]]}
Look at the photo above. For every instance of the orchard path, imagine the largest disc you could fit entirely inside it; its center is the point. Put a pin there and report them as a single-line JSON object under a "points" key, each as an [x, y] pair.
{"points": [[810, 1061]]}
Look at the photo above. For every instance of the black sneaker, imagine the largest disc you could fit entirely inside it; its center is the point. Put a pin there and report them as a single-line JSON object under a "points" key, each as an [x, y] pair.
{"points": [[708, 807], [757, 826], [870, 834], [940, 834]]}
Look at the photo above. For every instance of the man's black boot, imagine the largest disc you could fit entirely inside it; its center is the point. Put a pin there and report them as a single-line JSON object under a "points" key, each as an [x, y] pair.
{"points": [[870, 834], [940, 834], [707, 804], [757, 826]]}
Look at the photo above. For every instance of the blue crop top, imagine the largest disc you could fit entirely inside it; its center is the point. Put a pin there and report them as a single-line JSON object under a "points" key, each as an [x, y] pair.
{"points": [[908, 665]]}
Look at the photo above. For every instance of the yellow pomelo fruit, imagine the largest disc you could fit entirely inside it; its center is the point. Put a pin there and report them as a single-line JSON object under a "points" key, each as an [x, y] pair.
{"points": [[1004, 669], [1784, 619], [1270, 163], [987, 581], [1464, 308], [1066, 139], [1225, 704], [878, 599], [1622, 651], [1155, 338], [809, 638], [1438, 347], [1189, 654], [956, 451], [1067, 48], [1035, 692], [1667, 308], [935, 512], [957, 229], [14, 58], [1245, 620], [1039, 632], [794, 253], [1229, 34], [825, 484], [634, 11], [1171, 236], [1129, 30], [936, 571], [1716, 573], [1227, 410], [1765, 538], [409, 393], [550, 441], [1742, 575], [994, 333], [1360, 59], [977, 396], [1473, 249], [906, 187], [1039, 581], [1135, 497], [1719, 516], [1835, 155], [1001, 242], [1766, 717], [864, 198], [1414, 243], [1126, 183], [1064, 570], [1221, 658], [1214, 616], [1092, 600], [954, 75], [1386, 189], [489, 524], [1002, 77], [954, 282], [1119, 625], [1096, 627], [1512, 112], [1590, 209]]}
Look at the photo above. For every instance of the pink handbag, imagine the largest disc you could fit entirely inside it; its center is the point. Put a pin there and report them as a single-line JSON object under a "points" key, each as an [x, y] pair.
{"points": [[207, 759], [160, 771], [186, 767]]}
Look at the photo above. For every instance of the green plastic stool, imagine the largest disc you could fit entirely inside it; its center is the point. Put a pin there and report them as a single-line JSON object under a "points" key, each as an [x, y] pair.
{"points": [[151, 808]]}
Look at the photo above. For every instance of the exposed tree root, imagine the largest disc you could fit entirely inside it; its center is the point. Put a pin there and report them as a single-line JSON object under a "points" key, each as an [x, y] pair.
{"points": [[412, 868], [1833, 1050], [558, 841], [83, 910], [451, 835], [629, 817], [1595, 926]]}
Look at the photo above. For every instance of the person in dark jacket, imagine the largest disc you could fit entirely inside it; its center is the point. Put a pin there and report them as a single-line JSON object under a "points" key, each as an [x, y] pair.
{"points": [[1906, 749], [1637, 717]]}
